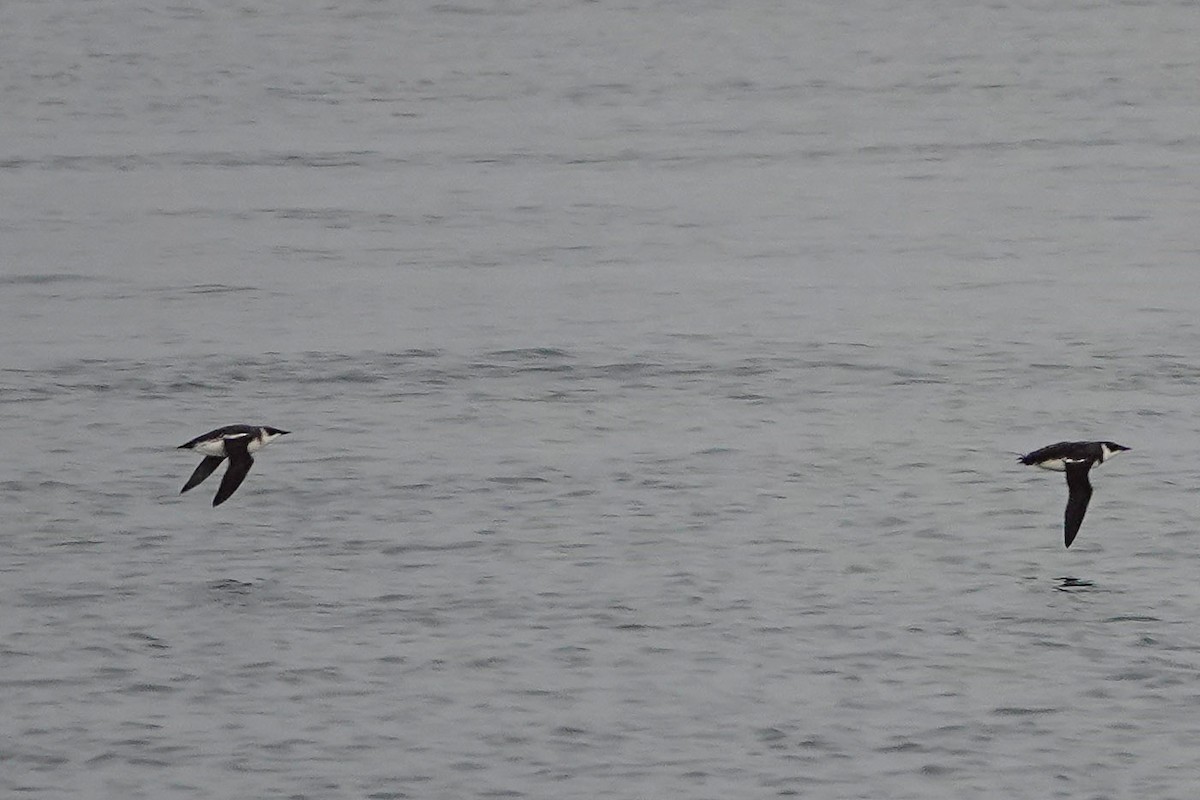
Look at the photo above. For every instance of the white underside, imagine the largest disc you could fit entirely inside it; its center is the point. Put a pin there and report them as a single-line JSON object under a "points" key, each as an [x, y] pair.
{"points": [[216, 447], [213, 447], [1060, 464], [261, 442]]}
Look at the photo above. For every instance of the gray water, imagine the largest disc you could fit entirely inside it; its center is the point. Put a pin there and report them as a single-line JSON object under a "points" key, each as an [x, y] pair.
{"points": [[655, 375]]}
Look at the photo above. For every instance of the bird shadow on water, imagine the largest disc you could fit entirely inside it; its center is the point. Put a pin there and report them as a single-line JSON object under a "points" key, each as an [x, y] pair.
{"points": [[1069, 584]]}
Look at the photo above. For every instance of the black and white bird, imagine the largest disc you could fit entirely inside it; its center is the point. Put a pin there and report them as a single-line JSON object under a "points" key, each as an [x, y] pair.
{"points": [[1076, 459], [235, 442]]}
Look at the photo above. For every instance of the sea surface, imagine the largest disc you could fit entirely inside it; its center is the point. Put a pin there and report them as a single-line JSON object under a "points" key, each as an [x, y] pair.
{"points": [[655, 374]]}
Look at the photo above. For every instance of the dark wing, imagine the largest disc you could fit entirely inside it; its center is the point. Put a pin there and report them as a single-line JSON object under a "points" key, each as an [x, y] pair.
{"points": [[203, 470], [1079, 492], [1047, 453], [239, 464]]}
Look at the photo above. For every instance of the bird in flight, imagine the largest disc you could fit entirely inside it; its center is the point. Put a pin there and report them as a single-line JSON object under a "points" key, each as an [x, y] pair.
{"points": [[235, 442], [1076, 459]]}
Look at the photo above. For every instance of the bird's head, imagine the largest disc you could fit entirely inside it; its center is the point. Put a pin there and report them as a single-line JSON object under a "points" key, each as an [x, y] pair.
{"points": [[269, 434], [1110, 449]]}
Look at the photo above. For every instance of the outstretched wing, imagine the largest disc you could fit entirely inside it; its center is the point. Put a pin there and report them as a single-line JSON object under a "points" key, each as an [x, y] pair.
{"points": [[203, 470], [239, 464], [1079, 492]]}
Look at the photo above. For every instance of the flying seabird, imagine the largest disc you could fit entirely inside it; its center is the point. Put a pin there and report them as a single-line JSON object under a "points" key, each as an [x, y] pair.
{"points": [[1076, 459], [235, 442]]}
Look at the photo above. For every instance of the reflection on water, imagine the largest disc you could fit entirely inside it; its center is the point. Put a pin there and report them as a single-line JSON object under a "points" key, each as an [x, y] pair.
{"points": [[1069, 584]]}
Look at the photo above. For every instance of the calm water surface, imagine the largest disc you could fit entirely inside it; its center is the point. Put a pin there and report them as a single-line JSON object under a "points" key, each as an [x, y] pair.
{"points": [[656, 376]]}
